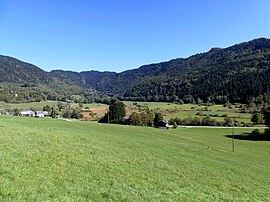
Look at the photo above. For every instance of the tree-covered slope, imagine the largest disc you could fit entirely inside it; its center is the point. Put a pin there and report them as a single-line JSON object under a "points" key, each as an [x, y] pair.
{"points": [[15, 71], [24, 82], [93, 79], [236, 73]]}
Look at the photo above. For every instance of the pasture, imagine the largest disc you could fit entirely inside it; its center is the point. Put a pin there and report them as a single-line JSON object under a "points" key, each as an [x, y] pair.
{"points": [[40, 105], [98, 109], [57, 160], [28, 105], [171, 110]]}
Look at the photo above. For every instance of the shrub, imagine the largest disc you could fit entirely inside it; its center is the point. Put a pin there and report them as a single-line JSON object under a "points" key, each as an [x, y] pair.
{"points": [[200, 114], [257, 118]]}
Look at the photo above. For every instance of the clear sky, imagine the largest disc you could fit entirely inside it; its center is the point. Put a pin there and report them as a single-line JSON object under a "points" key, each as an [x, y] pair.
{"points": [[117, 35]]}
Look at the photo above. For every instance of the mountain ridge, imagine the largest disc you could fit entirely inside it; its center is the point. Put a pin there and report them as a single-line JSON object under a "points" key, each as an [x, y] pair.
{"points": [[126, 84], [25, 82], [171, 80]]}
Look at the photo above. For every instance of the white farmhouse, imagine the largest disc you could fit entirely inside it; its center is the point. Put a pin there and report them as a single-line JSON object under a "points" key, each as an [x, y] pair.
{"points": [[27, 113]]}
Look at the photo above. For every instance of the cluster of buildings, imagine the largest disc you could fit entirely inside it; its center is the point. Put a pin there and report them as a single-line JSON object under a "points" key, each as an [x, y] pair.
{"points": [[38, 114]]}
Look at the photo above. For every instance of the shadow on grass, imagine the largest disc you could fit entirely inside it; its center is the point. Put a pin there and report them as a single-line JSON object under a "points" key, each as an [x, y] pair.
{"points": [[251, 136]]}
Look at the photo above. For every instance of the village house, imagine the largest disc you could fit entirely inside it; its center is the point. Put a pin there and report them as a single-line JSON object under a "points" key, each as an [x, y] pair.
{"points": [[69, 101], [38, 114], [27, 113], [164, 124], [126, 120]]}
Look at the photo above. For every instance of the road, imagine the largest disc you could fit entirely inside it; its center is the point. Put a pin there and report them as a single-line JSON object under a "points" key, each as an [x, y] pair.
{"points": [[222, 127]]}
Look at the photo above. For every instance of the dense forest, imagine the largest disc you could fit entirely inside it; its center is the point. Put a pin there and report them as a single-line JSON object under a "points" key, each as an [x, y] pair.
{"points": [[239, 73], [23, 82]]}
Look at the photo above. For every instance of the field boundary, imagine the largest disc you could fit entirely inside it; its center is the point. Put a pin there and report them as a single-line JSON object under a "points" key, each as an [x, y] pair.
{"points": [[223, 127]]}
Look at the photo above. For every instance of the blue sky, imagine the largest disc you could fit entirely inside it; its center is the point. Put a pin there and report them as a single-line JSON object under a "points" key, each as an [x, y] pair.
{"points": [[117, 35]]}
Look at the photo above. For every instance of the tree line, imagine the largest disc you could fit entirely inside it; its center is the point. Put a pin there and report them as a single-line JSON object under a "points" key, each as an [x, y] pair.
{"points": [[117, 115]]}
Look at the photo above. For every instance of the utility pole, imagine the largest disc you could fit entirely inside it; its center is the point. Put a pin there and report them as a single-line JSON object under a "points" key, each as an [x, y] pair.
{"points": [[232, 135], [108, 112]]}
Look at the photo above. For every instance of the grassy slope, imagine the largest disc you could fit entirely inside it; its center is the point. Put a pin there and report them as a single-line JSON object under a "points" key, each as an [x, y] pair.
{"points": [[100, 109], [241, 117], [192, 110], [28, 105], [167, 105], [46, 159], [40, 105]]}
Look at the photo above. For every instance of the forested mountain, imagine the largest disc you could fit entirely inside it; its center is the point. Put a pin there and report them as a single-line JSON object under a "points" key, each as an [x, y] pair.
{"points": [[239, 73], [24, 82], [93, 79], [16, 71]]}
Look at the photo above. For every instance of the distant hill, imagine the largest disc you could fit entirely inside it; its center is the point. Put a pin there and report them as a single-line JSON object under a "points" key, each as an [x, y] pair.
{"points": [[15, 71], [24, 82], [239, 73], [93, 79]]}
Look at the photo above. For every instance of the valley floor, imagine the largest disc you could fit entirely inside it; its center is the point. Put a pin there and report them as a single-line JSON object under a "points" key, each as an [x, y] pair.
{"points": [[57, 160]]}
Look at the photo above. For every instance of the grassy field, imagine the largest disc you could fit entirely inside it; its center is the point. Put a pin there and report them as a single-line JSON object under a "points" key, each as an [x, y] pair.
{"points": [[245, 118], [24, 106], [40, 105], [161, 105], [98, 109], [167, 105], [186, 110], [57, 160]]}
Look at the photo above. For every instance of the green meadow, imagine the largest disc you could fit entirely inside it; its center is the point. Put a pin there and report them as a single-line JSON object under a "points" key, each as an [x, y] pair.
{"points": [[57, 160], [40, 105], [167, 105], [28, 105], [191, 110], [216, 111]]}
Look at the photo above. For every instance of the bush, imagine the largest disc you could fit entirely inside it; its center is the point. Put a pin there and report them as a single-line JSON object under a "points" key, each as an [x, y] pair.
{"points": [[256, 133], [47, 108], [267, 133], [200, 114], [158, 117], [257, 118], [207, 121], [16, 112], [228, 121], [197, 121]]}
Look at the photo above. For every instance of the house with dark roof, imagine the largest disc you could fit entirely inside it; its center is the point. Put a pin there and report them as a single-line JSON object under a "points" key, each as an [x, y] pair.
{"points": [[164, 124], [39, 114]]}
